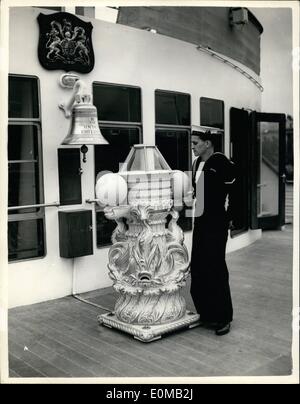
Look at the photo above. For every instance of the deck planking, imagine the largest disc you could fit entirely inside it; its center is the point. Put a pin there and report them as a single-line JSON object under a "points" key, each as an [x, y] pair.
{"points": [[63, 339]]}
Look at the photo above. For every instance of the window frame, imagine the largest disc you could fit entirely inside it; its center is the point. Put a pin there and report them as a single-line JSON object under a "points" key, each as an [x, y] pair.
{"points": [[109, 125], [172, 92], [14, 261], [29, 76], [40, 213], [223, 112], [99, 209], [40, 167], [175, 128], [214, 128], [172, 127], [105, 124]]}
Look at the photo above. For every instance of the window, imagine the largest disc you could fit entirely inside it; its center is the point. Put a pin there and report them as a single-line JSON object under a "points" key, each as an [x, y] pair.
{"points": [[26, 225], [172, 108], [23, 184], [109, 157], [86, 11], [23, 98], [116, 103], [212, 118], [212, 113], [174, 145], [172, 134], [119, 114]]}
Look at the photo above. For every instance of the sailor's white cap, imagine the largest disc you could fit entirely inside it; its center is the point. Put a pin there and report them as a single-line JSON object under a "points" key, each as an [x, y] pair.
{"points": [[205, 129], [197, 128]]}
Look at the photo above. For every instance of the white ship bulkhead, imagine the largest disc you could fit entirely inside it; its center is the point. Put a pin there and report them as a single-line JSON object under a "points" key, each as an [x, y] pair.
{"points": [[123, 55]]}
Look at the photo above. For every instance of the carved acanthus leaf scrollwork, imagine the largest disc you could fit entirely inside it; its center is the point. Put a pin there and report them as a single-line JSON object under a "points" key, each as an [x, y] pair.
{"points": [[119, 234], [142, 213], [147, 264], [150, 309], [118, 260], [178, 262], [175, 233], [118, 213], [155, 260]]}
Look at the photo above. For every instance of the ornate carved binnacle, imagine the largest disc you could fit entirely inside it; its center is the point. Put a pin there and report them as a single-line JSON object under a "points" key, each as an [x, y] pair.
{"points": [[148, 264]]}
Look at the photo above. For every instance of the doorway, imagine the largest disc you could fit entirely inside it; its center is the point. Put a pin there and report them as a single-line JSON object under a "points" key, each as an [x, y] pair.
{"points": [[258, 149], [268, 170]]}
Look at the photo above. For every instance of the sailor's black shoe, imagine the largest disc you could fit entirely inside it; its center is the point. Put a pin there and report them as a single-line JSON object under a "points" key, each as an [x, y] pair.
{"points": [[222, 329]]}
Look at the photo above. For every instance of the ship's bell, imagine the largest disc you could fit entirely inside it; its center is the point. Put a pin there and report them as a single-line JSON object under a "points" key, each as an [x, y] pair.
{"points": [[84, 128]]}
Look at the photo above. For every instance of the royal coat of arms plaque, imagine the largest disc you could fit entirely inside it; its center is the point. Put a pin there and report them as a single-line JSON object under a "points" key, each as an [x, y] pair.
{"points": [[65, 43]]}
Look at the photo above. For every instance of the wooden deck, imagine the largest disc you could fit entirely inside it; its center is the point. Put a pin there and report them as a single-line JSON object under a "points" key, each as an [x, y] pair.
{"points": [[61, 338]]}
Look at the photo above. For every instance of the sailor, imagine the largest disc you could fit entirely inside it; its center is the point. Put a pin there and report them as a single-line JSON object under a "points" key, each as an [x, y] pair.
{"points": [[213, 182]]}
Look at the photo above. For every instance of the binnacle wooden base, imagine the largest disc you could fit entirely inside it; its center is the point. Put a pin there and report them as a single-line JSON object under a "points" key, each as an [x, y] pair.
{"points": [[149, 333]]}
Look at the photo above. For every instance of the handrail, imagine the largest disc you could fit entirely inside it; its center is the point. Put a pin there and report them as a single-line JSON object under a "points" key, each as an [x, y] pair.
{"points": [[39, 205], [218, 56]]}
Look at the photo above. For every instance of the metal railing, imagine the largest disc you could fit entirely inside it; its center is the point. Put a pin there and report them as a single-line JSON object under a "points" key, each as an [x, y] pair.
{"points": [[39, 205]]}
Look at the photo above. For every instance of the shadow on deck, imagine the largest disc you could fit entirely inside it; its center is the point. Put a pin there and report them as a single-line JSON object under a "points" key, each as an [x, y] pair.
{"points": [[61, 338]]}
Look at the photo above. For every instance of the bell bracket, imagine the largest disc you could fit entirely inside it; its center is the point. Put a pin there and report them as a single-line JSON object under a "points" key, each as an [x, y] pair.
{"points": [[79, 89], [68, 80]]}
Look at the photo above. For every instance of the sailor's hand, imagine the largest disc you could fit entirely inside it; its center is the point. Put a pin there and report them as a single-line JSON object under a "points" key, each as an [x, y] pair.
{"points": [[231, 225]]}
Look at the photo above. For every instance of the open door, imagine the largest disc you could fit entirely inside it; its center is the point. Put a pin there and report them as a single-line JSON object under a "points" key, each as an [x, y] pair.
{"points": [[267, 170], [239, 154]]}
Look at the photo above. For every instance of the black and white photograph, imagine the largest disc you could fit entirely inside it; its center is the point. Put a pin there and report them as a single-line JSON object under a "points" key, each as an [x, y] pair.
{"points": [[150, 194]]}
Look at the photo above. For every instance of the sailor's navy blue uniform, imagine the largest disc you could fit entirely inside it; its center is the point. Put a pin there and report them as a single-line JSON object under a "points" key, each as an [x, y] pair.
{"points": [[210, 279]]}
